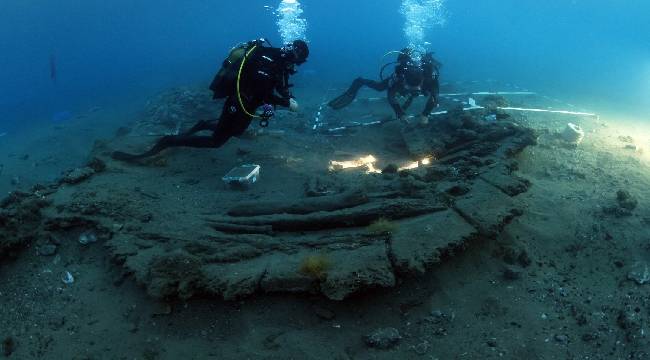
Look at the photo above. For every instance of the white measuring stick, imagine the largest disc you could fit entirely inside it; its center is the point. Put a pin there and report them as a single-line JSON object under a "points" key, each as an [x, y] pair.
{"points": [[491, 93], [550, 111]]}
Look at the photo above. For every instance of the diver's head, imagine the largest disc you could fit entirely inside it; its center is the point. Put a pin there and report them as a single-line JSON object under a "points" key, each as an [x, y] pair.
{"points": [[297, 52], [405, 56]]}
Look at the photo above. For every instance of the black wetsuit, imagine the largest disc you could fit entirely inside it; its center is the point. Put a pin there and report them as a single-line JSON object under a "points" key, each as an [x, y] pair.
{"points": [[396, 86], [265, 72]]}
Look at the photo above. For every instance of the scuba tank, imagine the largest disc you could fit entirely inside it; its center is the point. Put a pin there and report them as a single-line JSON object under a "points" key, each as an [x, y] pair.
{"points": [[224, 82]]}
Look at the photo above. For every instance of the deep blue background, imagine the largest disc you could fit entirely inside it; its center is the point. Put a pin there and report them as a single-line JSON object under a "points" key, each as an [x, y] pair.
{"points": [[592, 51]]}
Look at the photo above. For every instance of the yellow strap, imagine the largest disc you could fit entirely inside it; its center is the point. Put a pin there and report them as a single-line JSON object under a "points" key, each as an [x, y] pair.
{"points": [[241, 67]]}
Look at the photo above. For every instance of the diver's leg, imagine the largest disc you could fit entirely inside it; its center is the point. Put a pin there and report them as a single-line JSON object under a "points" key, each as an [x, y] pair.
{"points": [[167, 142], [349, 95], [202, 125], [376, 85], [234, 121], [229, 125]]}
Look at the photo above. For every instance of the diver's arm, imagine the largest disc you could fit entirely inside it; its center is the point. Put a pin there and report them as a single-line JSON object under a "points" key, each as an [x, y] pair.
{"points": [[392, 100], [408, 102], [284, 95], [267, 89], [283, 87], [274, 99], [432, 102]]}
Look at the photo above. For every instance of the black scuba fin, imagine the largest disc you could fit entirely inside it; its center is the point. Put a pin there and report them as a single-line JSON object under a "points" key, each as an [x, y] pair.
{"points": [[348, 97], [342, 101]]}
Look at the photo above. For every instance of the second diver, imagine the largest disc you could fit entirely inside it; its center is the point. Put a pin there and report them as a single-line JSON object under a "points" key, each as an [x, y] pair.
{"points": [[411, 78]]}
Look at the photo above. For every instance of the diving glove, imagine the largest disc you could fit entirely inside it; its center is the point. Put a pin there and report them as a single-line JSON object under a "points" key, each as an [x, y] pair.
{"points": [[293, 105]]}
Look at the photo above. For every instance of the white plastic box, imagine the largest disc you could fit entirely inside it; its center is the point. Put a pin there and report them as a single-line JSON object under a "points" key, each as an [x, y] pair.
{"points": [[242, 176]]}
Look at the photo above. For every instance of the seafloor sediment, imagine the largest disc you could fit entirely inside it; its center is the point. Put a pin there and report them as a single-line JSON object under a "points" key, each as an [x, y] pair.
{"points": [[495, 248]]}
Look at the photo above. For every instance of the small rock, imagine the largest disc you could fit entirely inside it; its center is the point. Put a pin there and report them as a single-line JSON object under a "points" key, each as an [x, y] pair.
{"points": [[57, 323], [512, 256], [589, 337], [437, 317], [562, 339], [78, 175], [324, 313], [422, 348], [625, 200], [632, 323], [87, 237], [510, 273], [67, 278], [8, 346], [523, 259], [383, 339], [639, 273], [492, 343], [97, 165], [161, 309], [47, 250]]}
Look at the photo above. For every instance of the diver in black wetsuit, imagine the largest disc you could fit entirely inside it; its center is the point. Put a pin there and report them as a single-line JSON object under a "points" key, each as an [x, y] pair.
{"points": [[410, 79], [266, 70]]}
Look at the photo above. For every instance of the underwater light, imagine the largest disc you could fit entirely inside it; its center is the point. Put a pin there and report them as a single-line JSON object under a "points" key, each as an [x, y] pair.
{"points": [[416, 164], [369, 162], [366, 161], [411, 166]]}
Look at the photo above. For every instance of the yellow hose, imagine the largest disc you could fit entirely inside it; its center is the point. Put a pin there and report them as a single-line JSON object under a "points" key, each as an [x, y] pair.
{"points": [[241, 67], [390, 53]]}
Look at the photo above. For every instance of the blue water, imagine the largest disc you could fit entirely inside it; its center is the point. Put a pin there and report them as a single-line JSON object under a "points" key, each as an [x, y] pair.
{"points": [[594, 52]]}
